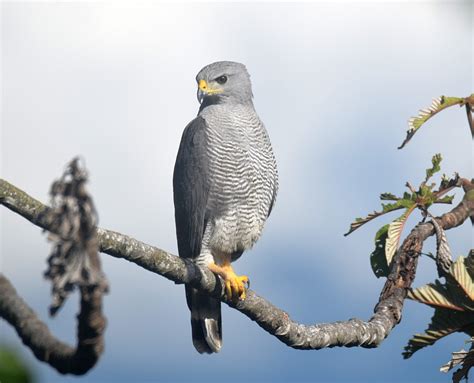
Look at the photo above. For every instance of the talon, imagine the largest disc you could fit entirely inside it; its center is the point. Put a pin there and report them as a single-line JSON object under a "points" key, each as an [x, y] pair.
{"points": [[228, 290], [235, 285]]}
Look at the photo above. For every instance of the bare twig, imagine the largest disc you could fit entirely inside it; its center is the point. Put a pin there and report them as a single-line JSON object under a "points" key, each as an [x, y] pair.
{"points": [[353, 332]]}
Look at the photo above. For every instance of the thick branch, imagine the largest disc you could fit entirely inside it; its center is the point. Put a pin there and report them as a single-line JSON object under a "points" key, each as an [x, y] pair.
{"points": [[36, 335], [353, 332]]}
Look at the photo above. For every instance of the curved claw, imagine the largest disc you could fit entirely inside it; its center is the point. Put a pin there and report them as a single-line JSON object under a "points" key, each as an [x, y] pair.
{"points": [[235, 285]]}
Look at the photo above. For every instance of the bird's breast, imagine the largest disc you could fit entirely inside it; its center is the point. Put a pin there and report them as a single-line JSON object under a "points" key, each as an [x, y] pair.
{"points": [[243, 177]]}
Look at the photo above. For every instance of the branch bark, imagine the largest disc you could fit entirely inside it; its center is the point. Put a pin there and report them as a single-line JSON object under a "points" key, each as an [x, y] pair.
{"points": [[36, 335], [73, 263], [353, 332]]}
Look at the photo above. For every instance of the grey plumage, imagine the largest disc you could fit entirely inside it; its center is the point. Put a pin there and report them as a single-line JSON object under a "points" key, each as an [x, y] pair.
{"points": [[225, 184]]}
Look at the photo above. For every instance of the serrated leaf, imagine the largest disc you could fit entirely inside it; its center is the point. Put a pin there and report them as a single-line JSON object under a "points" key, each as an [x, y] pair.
{"points": [[438, 104], [389, 197], [358, 222], [425, 191], [448, 183], [463, 358], [403, 203], [464, 279], [443, 322], [457, 358], [436, 162], [446, 199], [399, 204], [378, 261], [407, 195], [456, 294], [435, 295], [394, 233], [469, 263]]}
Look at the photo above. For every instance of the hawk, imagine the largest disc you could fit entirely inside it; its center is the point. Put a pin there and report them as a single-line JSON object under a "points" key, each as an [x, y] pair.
{"points": [[225, 183]]}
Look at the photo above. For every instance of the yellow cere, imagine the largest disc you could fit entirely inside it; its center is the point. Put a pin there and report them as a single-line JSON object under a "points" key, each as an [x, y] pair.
{"points": [[203, 85]]}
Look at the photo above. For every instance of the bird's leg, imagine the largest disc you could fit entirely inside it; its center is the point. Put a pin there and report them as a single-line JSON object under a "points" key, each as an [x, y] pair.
{"points": [[234, 284]]}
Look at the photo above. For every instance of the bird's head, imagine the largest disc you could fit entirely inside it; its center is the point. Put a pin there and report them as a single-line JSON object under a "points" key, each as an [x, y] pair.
{"points": [[224, 81]]}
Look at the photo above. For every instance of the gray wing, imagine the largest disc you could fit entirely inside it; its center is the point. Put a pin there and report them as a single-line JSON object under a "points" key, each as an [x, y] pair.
{"points": [[191, 188], [191, 193], [272, 202]]}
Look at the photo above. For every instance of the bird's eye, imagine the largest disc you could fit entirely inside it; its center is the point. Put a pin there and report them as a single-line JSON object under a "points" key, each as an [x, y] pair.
{"points": [[221, 80]]}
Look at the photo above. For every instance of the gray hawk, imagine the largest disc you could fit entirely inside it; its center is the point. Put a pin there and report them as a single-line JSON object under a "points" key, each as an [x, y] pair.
{"points": [[225, 183]]}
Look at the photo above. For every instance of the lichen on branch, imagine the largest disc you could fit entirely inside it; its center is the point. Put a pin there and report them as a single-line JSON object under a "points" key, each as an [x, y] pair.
{"points": [[353, 332]]}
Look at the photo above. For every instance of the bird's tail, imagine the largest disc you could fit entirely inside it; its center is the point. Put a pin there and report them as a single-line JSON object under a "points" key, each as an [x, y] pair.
{"points": [[206, 321]]}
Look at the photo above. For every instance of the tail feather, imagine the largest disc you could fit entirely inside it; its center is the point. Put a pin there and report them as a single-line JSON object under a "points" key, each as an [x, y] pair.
{"points": [[206, 321]]}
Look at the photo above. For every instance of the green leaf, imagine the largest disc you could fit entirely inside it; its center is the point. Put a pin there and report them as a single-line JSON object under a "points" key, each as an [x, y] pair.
{"points": [[378, 261], [399, 204], [386, 208], [426, 197], [358, 222], [446, 199], [469, 263], [395, 232], [456, 294], [436, 295], [424, 115], [444, 322], [389, 197], [454, 307], [459, 271], [436, 161], [448, 182]]}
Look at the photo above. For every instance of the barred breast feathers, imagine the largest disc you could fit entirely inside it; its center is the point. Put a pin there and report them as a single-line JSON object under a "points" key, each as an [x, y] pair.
{"points": [[244, 177]]}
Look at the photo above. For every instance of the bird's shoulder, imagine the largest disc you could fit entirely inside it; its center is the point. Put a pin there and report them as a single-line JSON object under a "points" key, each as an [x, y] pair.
{"points": [[194, 133]]}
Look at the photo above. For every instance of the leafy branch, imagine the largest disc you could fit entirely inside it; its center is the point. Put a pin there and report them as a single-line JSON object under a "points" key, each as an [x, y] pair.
{"points": [[439, 104], [452, 300], [387, 238]]}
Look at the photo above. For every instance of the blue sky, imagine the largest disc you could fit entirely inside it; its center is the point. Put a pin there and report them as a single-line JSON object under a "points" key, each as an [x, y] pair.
{"points": [[335, 84]]}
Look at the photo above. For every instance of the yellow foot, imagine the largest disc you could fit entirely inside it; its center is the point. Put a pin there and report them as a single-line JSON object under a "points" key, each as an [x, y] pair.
{"points": [[235, 285]]}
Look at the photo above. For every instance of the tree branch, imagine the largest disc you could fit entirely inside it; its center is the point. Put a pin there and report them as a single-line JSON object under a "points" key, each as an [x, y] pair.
{"points": [[36, 335], [73, 263], [354, 332]]}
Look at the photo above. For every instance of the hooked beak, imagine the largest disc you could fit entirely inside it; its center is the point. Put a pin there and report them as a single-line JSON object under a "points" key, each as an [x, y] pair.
{"points": [[204, 89], [200, 95]]}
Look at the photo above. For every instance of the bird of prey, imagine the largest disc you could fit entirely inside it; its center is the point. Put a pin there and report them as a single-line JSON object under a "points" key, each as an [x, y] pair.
{"points": [[225, 183]]}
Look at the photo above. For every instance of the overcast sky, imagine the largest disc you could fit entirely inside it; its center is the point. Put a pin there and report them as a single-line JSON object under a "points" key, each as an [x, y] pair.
{"points": [[335, 84]]}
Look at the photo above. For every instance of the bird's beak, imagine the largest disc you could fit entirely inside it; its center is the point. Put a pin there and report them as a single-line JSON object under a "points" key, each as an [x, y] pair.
{"points": [[200, 95], [204, 89]]}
